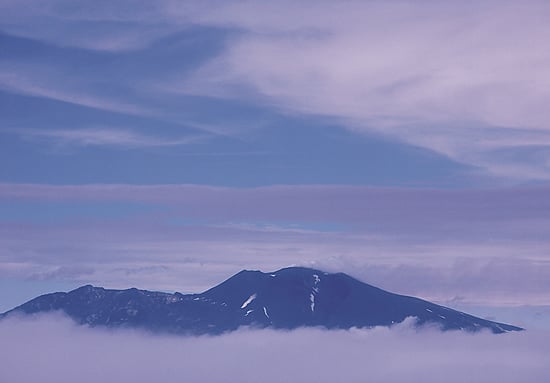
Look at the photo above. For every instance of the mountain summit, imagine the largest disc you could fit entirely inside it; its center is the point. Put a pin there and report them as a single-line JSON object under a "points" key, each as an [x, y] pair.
{"points": [[285, 299]]}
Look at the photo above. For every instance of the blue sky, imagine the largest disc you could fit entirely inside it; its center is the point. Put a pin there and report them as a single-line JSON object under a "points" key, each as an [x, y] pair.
{"points": [[168, 145]]}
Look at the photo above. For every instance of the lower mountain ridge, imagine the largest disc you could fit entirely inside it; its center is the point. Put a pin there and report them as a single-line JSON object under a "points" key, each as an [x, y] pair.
{"points": [[286, 299]]}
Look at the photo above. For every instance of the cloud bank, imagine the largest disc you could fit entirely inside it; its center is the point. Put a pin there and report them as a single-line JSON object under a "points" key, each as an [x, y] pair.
{"points": [[468, 246], [52, 349]]}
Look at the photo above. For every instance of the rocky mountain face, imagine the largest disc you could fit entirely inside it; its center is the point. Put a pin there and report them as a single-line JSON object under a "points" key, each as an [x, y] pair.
{"points": [[286, 299]]}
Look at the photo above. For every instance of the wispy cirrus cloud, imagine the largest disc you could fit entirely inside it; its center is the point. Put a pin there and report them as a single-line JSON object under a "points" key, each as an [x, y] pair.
{"points": [[53, 85], [453, 78], [467, 80], [110, 27], [98, 136]]}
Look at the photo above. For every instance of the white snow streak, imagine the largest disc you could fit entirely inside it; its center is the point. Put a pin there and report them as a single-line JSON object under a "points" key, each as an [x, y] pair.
{"points": [[247, 302]]}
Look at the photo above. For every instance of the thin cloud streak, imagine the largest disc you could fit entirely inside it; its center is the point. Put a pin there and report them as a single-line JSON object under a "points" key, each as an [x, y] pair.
{"points": [[125, 26], [308, 203], [30, 83], [61, 352], [98, 136]]}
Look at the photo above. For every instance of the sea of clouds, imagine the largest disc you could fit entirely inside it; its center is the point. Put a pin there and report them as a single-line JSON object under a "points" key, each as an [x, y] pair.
{"points": [[51, 348]]}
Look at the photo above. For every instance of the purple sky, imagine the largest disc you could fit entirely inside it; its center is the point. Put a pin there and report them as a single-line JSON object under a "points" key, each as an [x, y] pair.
{"points": [[167, 145], [465, 80]]}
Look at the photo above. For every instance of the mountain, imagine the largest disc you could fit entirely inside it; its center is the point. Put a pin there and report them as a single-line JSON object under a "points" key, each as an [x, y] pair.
{"points": [[286, 299]]}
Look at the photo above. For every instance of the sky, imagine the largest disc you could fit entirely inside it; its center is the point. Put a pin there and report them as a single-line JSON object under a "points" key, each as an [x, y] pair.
{"points": [[168, 145]]}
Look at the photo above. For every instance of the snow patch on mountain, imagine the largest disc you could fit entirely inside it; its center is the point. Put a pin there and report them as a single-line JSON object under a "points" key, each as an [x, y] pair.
{"points": [[248, 301]]}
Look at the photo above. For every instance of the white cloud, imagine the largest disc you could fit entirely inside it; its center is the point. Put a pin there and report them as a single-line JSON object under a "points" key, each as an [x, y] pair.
{"points": [[46, 82], [105, 26], [50, 349], [99, 137], [451, 77]]}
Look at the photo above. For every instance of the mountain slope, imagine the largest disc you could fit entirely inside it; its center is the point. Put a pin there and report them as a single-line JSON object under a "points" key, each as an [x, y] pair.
{"points": [[288, 298]]}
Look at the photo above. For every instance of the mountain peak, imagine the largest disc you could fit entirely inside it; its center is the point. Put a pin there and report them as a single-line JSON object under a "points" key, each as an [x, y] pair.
{"points": [[85, 288]]}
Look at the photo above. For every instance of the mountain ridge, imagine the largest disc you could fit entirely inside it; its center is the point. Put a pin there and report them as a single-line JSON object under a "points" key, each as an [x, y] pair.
{"points": [[288, 298]]}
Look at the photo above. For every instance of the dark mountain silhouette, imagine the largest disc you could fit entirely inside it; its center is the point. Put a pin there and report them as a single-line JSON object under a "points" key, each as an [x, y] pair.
{"points": [[286, 299]]}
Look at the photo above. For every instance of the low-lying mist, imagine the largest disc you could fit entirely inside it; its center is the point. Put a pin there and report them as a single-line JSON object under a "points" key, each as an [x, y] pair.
{"points": [[51, 348]]}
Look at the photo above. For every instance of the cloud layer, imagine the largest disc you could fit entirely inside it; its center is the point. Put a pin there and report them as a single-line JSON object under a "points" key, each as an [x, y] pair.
{"points": [[466, 246], [52, 349]]}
